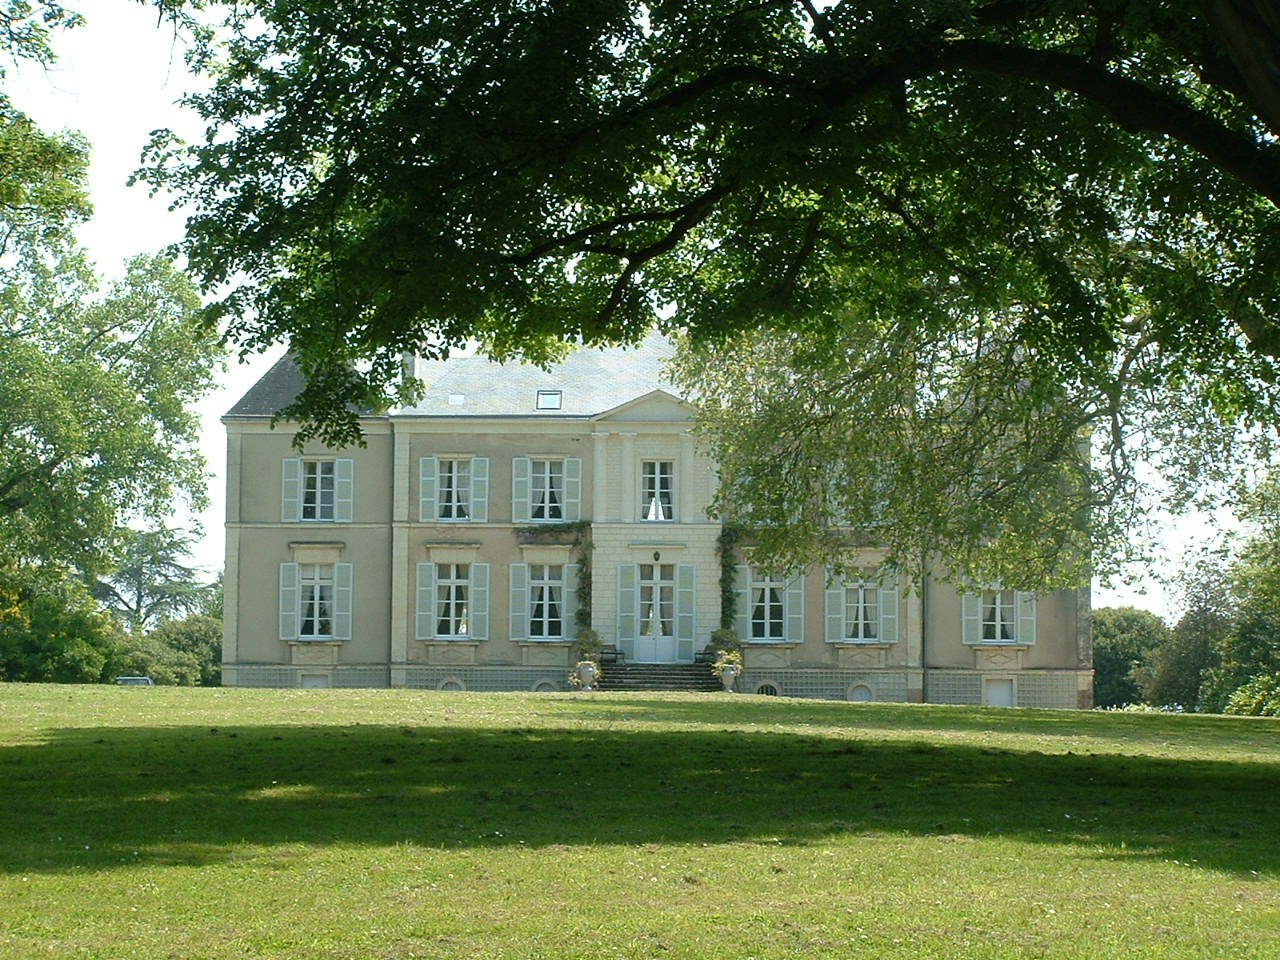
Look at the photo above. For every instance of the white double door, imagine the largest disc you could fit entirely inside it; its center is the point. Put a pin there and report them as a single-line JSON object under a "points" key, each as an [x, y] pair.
{"points": [[656, 642]]}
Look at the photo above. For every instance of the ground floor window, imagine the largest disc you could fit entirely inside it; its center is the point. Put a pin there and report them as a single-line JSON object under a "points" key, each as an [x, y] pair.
{"points": [[768, 607], [452, 587], [546, 601]]}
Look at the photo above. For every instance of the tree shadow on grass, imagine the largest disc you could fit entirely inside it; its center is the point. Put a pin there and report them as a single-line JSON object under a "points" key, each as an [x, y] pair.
{"points": [[96, 799]]}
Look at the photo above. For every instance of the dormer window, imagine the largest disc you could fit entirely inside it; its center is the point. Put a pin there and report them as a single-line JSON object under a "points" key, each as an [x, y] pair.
{"points": [[549, 399]]}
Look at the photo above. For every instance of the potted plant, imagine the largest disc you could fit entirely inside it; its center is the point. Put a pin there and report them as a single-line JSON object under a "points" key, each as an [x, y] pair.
{"points": [[585, 675], [728, 667]]}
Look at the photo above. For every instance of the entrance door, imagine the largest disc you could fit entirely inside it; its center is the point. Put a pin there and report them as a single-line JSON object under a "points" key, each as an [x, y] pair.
{"points": [[657, 640]]}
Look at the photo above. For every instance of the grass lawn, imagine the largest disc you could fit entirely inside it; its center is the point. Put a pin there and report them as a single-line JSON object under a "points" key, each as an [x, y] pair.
{"points": [[171, 823]]}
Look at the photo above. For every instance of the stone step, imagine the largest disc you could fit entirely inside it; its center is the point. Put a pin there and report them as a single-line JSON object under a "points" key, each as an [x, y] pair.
{"points": [[693, 677]]}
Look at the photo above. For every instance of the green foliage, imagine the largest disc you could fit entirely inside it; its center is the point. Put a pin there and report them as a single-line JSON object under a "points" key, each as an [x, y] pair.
{"points": [[52, 631], [1174, 673], [1124, 638], [97, 392], [187, 651], [982, 234], [1258, 697]]}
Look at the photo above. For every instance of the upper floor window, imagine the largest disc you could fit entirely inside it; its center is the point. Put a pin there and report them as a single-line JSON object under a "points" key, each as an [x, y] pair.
{"points": [[656, 485], [453, 488], [317, 489], [546, 489], [549, 399]]}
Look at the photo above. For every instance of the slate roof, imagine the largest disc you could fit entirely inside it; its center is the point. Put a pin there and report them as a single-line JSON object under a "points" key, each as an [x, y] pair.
{"points": [[591, 381]]}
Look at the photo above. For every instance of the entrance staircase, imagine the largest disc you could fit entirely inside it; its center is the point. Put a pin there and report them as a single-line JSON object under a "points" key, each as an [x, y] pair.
{"points": [[688, 677]]}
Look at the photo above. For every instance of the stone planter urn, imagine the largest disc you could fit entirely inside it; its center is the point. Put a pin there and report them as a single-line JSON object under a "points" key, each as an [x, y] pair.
{"points": [[728, 676], [586, 676]]}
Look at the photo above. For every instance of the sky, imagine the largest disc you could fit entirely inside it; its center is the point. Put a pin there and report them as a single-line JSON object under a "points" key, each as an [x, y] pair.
{"points": [[117, 79]]}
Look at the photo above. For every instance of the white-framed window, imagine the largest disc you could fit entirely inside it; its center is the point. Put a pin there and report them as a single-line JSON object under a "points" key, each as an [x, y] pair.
{"points": [[543, 600], [999, 616], [546, 489], [452, 601], [546, 601], [770, 606], [657, 599], [996, 614], [315, 601], [862, 608], [657, 482], [453, 583], [453, 489], [549, 399], [317, 489]]}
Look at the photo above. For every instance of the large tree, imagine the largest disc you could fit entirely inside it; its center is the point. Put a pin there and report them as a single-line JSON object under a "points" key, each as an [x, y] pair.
{"points": [[1057, 217], [149, 583]]}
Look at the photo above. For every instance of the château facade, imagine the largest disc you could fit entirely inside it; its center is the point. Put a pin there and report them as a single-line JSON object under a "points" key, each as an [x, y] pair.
{"points": [[460, 546]]}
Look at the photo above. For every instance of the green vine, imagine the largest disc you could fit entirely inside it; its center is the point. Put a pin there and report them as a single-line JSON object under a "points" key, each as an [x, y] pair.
{"points": [[726, 552]]}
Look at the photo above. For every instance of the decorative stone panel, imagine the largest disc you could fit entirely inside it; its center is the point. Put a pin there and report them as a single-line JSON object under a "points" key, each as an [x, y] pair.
{"points": [[454, 652], [314, 653]]}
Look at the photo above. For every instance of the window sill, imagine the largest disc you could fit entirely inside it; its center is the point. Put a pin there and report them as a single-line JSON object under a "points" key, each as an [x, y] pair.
{"points": [[861, 643], [771, 643], [1001, 644], [317, 641]]}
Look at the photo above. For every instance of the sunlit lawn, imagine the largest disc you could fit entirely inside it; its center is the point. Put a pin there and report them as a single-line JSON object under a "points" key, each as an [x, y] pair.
{"points": [[163, 823]]}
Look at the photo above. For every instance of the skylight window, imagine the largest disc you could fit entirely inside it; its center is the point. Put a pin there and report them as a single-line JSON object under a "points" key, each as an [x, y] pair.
{"points": [[549, 399]]}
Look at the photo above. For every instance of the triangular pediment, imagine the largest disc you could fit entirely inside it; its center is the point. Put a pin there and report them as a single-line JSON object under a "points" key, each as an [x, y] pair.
{"points": [[657, 405]]}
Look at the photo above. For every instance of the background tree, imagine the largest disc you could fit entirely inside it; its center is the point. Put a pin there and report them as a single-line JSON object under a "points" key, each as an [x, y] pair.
{"points": [[187, 651], [53, 631], [1062, 214], [1124, 638], [1175, 672], [149, 583]]}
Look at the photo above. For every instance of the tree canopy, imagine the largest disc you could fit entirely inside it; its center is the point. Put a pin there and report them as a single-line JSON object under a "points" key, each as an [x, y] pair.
{"points": [[1058, 218]]}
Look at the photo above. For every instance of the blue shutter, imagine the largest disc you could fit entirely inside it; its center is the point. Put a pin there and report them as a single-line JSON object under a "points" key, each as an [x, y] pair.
{"points": [[425, 606], [628, 608], [793, 610], [291, 491], [521, 489], [289, 589], [428, 511], [889, 609], [569, 606], [519, 601], [971, 616], [342, 601], [478, 611], [834, 608], [742, 615], [686, 611], [480, 489], [344, 485], [572, 489], [1025, 605]]}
